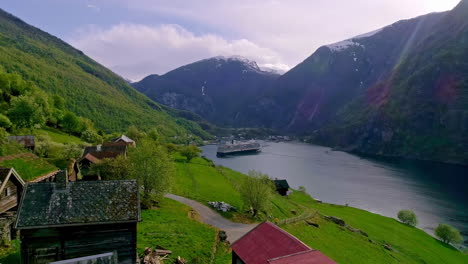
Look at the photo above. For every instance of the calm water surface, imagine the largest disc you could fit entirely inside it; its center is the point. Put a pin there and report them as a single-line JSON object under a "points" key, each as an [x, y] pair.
{"points": [[436, 193]]}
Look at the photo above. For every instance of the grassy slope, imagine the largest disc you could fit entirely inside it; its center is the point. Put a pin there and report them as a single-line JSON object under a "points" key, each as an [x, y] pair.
{"points": [[59, 136], [90, 90], [171, 227], [29, 166], [201, 181]]}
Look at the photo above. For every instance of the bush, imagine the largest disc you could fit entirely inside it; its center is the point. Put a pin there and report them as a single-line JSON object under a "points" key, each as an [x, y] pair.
{"points": [[408, 217], [190, 152], [448, 234], [5, 121], [256, 191]]}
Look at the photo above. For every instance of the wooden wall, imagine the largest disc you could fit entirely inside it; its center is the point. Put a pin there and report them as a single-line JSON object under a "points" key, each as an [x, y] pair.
{"points": [[41, 246]]}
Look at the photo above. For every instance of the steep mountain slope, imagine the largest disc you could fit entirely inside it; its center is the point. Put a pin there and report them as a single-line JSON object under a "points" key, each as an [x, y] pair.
{"points": [[216, 89], [420, 110], [399, 91], [89, 89]]}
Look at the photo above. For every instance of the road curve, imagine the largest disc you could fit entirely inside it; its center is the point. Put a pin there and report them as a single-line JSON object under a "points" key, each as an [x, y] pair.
{"points": [[233, 230]]}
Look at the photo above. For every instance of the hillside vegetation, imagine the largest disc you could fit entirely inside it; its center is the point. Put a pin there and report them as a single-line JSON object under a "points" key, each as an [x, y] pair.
{"points": [[387, 240], [89, 89]]}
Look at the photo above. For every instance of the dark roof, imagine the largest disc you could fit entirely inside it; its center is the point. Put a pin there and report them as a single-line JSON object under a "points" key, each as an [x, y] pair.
{"points": [[268, 243], [27, 141], [282, 184], [79, 203], [116, 149]]}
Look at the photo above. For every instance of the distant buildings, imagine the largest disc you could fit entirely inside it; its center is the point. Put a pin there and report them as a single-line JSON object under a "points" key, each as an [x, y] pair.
{"points": [[66, 220], [269, 244]]}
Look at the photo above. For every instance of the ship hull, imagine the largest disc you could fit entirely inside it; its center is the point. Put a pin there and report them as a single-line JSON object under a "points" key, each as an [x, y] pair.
{"points": [[237, 152]]}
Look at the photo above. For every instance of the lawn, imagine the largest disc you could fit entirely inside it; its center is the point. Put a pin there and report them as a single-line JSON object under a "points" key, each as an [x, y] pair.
{"points": [[59, 136], [10, 254], [201, 181], [174, 227], [29, 166]]}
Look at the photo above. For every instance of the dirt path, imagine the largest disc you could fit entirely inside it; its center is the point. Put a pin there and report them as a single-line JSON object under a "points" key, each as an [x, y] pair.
{"points": [[233, 230]]}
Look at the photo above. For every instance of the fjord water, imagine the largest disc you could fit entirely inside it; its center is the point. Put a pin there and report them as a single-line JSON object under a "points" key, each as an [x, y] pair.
{"points": [[437, 193]]}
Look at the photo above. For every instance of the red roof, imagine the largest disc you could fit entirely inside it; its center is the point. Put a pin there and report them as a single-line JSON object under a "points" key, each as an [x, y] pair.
{"points": [[307, 257], [269, 244]]}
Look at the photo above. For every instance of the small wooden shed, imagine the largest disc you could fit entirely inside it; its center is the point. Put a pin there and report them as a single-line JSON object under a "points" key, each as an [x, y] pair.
{"points": [[282, 187], [66, 220], [27, 141], [128, 141]]}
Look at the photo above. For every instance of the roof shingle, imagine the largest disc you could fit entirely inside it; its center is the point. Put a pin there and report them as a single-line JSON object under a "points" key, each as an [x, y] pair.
{"points": [[79, 203]]}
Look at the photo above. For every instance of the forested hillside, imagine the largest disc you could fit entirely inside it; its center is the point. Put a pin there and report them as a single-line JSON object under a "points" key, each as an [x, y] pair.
{"points": [[88, 89]]}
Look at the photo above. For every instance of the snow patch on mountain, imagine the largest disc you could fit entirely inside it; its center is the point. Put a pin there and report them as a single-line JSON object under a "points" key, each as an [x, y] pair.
{"points": [[345, 44]]}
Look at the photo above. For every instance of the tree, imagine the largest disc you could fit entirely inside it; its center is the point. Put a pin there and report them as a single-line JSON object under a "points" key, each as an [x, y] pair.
{"points": [[190, 152], [256, 191], [91, 136], [71, 123], [151, 166], [25, 112], [112, 169], [134, 133], [448, 234], [408, 217]]}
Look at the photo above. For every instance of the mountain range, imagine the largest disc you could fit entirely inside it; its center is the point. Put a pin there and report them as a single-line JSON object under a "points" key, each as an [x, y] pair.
{"points": [[216, 88], [398, 91]]}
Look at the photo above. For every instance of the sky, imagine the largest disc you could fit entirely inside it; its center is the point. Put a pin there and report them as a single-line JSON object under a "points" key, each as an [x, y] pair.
{"points": [[135, 38]]}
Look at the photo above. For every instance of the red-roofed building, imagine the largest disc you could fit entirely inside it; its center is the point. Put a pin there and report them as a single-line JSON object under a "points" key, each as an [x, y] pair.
{"points": [[269, 244]]}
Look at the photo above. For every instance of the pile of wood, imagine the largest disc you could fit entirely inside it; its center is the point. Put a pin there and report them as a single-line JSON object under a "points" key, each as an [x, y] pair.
{"points": [[156, 256]]}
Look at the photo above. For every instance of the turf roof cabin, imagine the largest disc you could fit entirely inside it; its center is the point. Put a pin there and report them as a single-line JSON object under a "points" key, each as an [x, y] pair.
{"points": [[282, 187], [269, 244], [66, 220], [11, 187]]}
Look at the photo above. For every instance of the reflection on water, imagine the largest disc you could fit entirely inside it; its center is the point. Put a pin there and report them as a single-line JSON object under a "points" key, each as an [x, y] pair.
{"points": [[436, 192]]}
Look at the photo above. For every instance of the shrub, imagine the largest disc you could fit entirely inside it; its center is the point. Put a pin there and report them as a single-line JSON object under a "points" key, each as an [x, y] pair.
{"points": [[257, 191], [190, 152], [448, 234], [408, 217]]}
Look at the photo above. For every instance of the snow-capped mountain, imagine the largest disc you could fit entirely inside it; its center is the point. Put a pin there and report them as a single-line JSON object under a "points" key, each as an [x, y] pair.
{"points": [[217, 88]]}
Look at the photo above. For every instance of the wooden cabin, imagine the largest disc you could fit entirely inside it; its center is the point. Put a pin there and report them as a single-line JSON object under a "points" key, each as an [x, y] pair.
{"points": [[66, 220], [269, 244], [27, 141], [11, 187], [282, 187], [94, 155]]}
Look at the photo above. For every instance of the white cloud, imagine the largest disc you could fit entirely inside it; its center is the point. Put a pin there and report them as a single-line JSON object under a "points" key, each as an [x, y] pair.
{"points": [[135, 51], [93, 7], [278, 34]]}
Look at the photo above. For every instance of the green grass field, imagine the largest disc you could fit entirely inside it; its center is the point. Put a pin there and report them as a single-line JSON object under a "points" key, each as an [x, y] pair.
{"points": [[59, 136], [29, 166], [172, 227], [200, 181]]}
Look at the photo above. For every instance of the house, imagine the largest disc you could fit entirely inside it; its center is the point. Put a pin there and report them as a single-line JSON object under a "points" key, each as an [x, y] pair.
{"points": [[11, 187], [66, 220], [95, 154], [127, 140], [282, 187], [269, 244], [26, 141]]}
